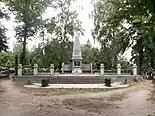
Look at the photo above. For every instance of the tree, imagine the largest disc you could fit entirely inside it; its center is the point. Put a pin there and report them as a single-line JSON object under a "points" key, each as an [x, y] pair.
{"points": [[140, 16], [3, 38], [64, 26], [6, 59], [53, 53], [17, 50], [133, 25], [104, 33], [29, 18], [87, 53]]}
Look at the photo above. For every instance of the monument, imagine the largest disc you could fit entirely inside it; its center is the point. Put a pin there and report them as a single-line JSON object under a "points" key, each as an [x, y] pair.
{"points": [[76, 65], [76, 57]]}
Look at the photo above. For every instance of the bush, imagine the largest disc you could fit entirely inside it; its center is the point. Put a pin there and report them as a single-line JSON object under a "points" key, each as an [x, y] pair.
{"points": [[27, 70], [28, 82], [44, 82], [135, 80], [108, 82], [125, 81], [96, 71]]}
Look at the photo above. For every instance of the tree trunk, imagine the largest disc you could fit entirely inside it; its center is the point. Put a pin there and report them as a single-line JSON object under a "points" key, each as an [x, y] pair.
{"points": [[140, 60], [140, 52], [152, 62], [24, 47]]}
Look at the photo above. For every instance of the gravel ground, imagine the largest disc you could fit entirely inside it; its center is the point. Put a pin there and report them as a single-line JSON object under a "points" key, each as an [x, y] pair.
{"points": [[134, 101]]}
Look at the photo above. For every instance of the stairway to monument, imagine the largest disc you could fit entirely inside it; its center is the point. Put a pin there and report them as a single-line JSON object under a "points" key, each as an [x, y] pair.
{"points": [[89, 79], [77, 80]]}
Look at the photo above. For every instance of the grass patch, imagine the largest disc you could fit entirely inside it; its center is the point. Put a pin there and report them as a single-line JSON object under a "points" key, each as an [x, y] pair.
{"points": [[117, 97], [62, 91], [132, 83], [28, 82], [80, 90], [152, 95]]}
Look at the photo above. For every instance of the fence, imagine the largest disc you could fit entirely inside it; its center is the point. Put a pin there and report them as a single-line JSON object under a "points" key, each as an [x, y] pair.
{"points": [[50, 71]]}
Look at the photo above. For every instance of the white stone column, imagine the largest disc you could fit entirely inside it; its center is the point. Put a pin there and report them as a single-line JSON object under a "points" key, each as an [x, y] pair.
{"points": [[118, 69], [20, 70], [91, 66], [102, 69], [52, 69], [62, 69], [35, 69], [134, 69]]}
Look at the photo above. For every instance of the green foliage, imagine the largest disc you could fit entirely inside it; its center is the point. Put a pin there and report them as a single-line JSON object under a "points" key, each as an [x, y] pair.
{"points": [[66, 23], [6, 59], [127, 24], [44, 82], [62, 27], [17, 49], [3, 38], [108, 82], [105, 33], [125, 65], [29, 18], [54, 51], [88, 54], [28, 82]]}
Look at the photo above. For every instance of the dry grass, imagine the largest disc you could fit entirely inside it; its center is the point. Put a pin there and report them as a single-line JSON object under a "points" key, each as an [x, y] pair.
{"points": [[152, 95], [132, 84], [1, 89], [62, 91], [117, 97]]}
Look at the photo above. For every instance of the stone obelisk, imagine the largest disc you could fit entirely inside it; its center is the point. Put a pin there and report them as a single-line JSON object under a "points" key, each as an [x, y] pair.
{"points": [[77, 56]]}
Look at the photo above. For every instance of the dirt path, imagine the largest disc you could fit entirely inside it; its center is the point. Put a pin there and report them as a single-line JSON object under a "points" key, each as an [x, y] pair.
{"points": [[136, 105], [133, 101]]}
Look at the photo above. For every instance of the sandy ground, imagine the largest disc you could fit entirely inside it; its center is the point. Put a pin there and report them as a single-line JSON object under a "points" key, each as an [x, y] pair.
{"points": [[133, 101]]}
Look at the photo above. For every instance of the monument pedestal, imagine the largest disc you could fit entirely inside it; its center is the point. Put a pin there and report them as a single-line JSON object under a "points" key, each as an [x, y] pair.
{"points": [[76, 71], [76, 66]]}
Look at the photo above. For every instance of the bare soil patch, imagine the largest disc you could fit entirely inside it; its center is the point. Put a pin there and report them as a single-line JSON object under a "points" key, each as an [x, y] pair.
{"points": [[91, 105], [18, 101], [117, 96]]}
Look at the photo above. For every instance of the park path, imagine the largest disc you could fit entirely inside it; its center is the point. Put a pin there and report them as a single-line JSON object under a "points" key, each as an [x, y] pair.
{"points": [[16, 101]]}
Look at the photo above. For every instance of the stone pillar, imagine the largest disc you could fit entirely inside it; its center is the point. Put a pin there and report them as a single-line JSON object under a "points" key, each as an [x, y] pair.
{"points": [[52, 69], [91, 67], [134, 69], [118, 69], [35, 69], [62, 69], [102, 69], [20, 70]]}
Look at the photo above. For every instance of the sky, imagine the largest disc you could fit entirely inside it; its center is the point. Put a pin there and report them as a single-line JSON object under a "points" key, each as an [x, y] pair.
{"points": [[83, 7]]}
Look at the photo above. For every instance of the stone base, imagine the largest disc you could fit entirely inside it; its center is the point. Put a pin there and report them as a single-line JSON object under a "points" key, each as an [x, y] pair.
{"points": [[77, 71], [114, 85]]}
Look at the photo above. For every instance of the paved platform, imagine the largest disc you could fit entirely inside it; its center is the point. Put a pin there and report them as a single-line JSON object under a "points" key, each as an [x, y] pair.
{"points": [[79, 75], [114, 85]]}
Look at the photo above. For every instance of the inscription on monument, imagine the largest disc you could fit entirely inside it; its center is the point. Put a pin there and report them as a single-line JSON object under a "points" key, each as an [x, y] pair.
{"points": [[77, 52]]}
